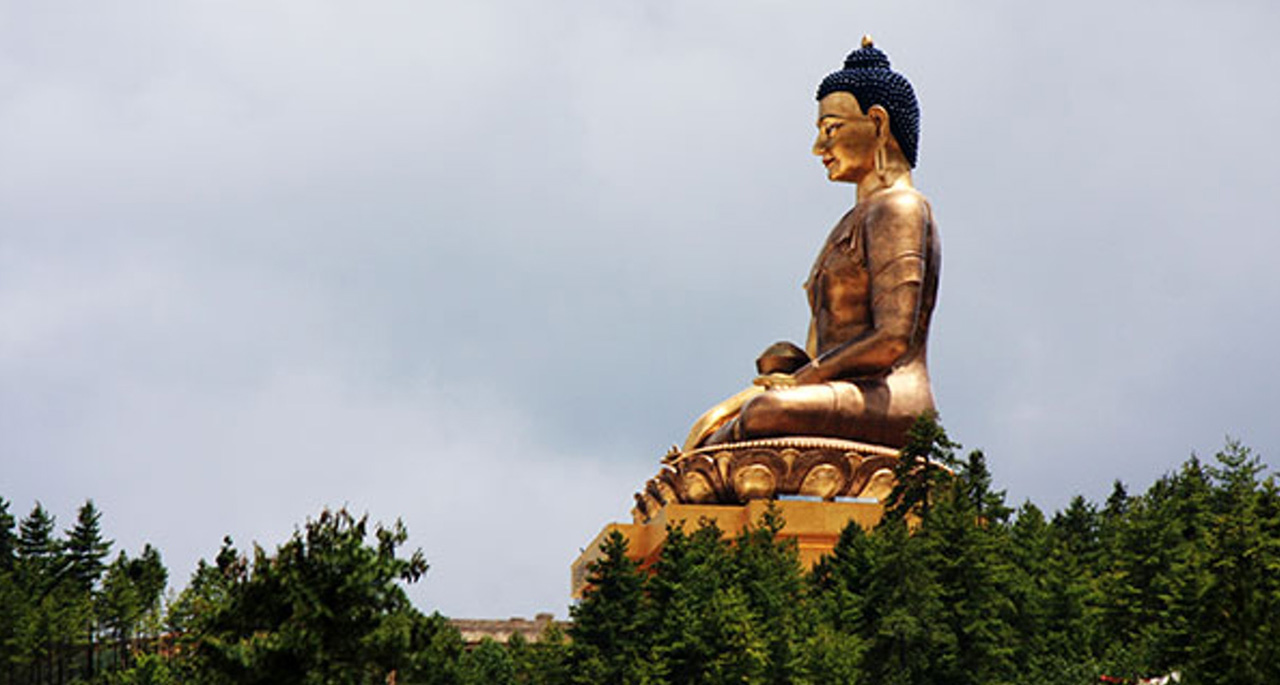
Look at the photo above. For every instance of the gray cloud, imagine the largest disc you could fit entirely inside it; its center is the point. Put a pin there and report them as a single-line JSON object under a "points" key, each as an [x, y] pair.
{"points": [[475, 265]]}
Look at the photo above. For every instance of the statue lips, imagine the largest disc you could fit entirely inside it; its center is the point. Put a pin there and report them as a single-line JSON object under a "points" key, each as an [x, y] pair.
{"points": [[829, 162]]}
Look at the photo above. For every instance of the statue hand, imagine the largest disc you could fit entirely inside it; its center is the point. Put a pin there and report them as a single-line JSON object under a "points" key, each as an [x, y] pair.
{"points": [[781, 357], [807, 374], [771, 381]]}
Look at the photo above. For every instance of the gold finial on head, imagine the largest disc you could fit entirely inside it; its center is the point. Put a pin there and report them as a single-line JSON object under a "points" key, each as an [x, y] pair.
{"points": [[866, 40]]}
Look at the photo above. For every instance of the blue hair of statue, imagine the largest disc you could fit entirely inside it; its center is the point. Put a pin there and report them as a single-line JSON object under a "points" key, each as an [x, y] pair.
{"points": [[867, 76]]}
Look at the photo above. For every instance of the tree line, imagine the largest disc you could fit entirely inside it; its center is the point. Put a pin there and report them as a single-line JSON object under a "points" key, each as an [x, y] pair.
{"points": [[65, 610], [954, 586]]}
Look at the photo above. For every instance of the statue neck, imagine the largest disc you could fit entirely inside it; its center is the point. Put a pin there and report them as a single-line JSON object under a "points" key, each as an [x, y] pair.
{"points": [[895, 176]]}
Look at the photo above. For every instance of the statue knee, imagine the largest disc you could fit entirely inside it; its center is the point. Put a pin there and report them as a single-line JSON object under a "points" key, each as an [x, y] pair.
{"points": [[761, 416]]}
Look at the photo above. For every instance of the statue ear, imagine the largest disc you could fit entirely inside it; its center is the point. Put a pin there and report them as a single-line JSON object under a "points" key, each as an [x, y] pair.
{"points": [[880, 115]]}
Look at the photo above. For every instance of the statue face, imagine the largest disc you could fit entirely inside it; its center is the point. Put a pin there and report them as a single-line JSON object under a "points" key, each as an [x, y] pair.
{"points": [[846, 138]]}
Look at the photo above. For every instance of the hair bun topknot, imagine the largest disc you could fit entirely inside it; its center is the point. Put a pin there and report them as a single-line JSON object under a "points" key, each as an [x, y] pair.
{"points": [[869, 57]]}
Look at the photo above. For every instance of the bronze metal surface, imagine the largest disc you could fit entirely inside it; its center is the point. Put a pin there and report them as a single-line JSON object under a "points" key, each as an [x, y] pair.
{"points": [[863, 374], [810, 467]]}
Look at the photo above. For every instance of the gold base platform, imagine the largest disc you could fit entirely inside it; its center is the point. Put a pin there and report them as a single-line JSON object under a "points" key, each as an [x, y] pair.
{"points": [[814, 525]]}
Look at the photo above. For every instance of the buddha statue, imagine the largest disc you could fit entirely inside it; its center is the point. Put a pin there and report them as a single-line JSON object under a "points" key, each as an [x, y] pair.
{"points": [[862, 375]]}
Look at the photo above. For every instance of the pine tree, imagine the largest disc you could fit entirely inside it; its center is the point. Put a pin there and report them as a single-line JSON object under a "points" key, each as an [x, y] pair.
{"points": [[40, 569], [488, 664], [85, 549], [1076, 528], [838, 580], [990, 578], [1243, 595], [319, 610], [908, 640], [120, 605], [8, 540], [432, 652], [12, 604], [1186, 500], [768, 571], [607, 642], [974, 486], [688, 573], [922, 468], [544, 662], [1030, 590], [838, 598], [130, 595], [39, 553]]}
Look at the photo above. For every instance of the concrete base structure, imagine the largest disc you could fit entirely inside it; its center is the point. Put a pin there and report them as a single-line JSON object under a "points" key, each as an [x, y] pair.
{"points": [[814, 525]]}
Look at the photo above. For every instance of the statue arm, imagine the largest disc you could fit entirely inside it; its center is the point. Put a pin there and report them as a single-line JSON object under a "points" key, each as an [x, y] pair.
{"points": [[897, 242]]}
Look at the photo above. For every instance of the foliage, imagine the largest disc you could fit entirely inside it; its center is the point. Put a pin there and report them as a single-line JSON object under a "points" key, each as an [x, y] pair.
{"points": [[327, 607], [85, 549], [954, 586], [54, 611], [923, 467], [488, 664], [150, 669], [712, 611], [607, 629]]}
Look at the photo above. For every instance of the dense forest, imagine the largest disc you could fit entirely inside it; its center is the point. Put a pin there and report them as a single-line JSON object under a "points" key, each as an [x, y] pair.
{"points": [[955, 586]]}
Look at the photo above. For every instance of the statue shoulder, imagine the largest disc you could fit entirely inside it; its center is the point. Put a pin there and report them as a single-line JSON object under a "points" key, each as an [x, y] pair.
{"points": [[899, 205], [898, 221]]}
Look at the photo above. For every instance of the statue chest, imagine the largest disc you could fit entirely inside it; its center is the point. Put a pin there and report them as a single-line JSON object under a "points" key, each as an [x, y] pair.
{"points": [[839, 285]]}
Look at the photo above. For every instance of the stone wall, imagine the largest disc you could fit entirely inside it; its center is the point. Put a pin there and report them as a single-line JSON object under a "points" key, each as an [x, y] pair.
{"points": [[474, 630]]}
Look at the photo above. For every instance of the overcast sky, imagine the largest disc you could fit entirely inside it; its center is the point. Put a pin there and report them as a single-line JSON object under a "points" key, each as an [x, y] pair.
{"points": [[478, 264]]}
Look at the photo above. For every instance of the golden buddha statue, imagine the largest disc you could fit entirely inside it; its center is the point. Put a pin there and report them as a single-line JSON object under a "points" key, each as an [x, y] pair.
{"points": [[862, 375]]}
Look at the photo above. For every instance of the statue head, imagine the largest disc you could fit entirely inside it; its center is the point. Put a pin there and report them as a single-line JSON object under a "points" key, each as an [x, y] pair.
{"points": [[867, 77]]}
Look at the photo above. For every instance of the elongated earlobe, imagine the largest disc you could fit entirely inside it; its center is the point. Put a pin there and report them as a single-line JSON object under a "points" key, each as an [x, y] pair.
{"points": [[880, 116]]}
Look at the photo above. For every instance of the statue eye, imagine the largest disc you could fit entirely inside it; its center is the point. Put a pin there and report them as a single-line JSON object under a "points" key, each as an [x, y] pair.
{"points": [[831, 129]]}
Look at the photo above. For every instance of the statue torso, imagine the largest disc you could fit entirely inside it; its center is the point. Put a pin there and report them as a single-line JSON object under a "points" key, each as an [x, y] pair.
{"points": [[841, 286]]}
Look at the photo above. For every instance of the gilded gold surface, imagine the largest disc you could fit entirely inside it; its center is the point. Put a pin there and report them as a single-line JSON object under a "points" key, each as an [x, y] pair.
{"points": [[871, 291], [817, 467]]}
